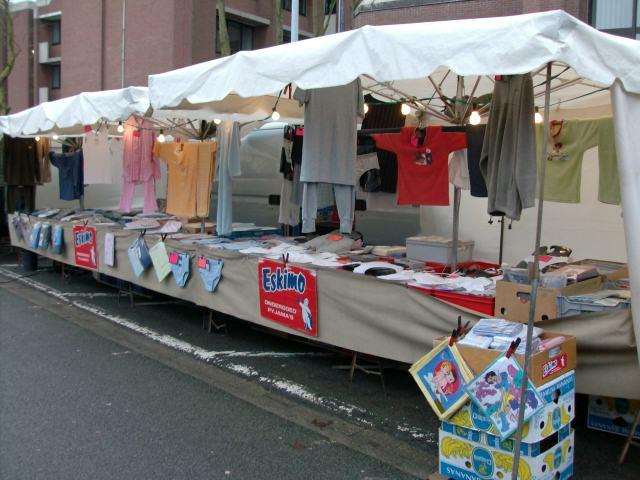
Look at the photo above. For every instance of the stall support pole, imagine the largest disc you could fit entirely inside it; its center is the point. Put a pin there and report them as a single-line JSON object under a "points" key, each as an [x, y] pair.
{"points": [[295, 18], [534, 281], [501, 241], [459, 108]]}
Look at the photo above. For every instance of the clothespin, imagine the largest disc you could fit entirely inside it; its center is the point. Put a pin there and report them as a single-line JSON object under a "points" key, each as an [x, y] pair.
{"points": [[85, 223], [285, 259], [288, 90], [453, 337], [163, 236], [144, 232], [490, 220], [513, 347], [510, 225]]}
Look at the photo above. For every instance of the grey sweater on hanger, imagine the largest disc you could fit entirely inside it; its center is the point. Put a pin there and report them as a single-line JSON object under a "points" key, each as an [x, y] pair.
{"points": [[508, 159]]}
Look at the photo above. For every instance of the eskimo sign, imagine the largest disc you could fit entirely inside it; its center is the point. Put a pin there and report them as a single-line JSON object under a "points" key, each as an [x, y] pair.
{"points": [[85, 246], [288, 296]]}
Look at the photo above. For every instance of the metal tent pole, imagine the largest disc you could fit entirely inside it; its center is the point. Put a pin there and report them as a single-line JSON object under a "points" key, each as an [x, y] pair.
{"points": [[295, 18], [534, 281], [459, 110]]}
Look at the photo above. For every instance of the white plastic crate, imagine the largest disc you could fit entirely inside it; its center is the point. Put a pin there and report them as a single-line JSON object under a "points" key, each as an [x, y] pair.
{"points": [[438, 249]]}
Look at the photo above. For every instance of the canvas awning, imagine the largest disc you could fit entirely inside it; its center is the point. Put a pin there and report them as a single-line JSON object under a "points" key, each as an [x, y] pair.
{"points": [[69, 115], [414, 62]]}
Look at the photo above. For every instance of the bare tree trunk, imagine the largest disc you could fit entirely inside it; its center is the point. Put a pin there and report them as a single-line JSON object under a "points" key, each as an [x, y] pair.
{"points": [[327, 18], [315, 15], [9, 53], [278, 20], [223, 33]]}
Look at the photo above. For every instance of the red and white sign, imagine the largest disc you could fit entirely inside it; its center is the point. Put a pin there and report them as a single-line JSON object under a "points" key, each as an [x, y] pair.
{"points": [[288, 296], [555, 365], [85, 246]]}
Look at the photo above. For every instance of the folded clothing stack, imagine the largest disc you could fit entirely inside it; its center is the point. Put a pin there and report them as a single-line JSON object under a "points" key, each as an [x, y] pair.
{"points": [[498, 334]]}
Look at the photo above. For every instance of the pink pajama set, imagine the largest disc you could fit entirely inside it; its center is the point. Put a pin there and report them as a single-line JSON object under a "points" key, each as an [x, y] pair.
{"points": [[139, 165]]}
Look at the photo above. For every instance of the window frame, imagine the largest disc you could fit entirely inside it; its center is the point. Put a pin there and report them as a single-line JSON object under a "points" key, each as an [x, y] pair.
{"points": [[244, 27], [53, 84], [56, 32], [286, 5], [628, 32]]}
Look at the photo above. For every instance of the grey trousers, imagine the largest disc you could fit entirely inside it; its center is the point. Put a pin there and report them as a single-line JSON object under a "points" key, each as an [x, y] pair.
{"points": [[345, 202], [508, 159]]}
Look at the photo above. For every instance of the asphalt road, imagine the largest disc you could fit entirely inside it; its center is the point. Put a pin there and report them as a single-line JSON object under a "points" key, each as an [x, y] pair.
{"points": [[77, 402], [75, 405]]}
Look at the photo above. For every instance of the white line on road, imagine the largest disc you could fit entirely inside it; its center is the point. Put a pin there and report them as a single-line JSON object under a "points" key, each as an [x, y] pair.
{"points": [[221, 360]]}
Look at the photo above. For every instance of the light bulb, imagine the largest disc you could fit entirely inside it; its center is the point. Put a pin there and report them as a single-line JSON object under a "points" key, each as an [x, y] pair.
{"points": [[275, 115], [55, 136], [405, 109], [217, 121], [366, 108], [474, 118], [120, 128], [161, 137], [538, 116], [37, 139]]}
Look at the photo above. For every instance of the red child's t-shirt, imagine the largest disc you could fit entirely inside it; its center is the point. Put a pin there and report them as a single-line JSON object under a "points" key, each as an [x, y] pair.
{"points": [[423, 171]]}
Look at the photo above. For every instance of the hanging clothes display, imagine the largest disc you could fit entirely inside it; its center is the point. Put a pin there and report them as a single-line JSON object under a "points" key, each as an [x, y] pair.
{"points": [[289, 211], [191, 166], [384, 115], [329, 149], [568, 140], [508, 159], [44, 166], [99, 155], [21, 165], [458, 169], [475, 138], [228, 166], [422, 167], [139, 165], [21, 172], [70, 175]]}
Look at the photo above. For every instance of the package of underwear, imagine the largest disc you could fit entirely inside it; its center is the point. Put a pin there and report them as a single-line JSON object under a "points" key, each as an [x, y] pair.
{"points": [[45, 236], [210, 272], [160, 260], [35, 235], [139, 256], [180, 267], [57, 239]]}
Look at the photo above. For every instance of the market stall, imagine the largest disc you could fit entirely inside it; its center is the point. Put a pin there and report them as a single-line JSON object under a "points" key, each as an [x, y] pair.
{"points": [[551, 59], [393, 61]]}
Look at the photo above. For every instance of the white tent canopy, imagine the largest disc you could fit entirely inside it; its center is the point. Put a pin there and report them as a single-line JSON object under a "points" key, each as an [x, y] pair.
{"points": [[406, 55], [67, 116], [413, 63]]}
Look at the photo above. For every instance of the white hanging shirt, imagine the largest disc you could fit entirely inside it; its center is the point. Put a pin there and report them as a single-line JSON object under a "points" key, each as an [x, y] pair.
{"points": [[98, 160]]}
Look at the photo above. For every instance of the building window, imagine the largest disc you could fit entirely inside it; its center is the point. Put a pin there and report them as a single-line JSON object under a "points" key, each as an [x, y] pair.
{"points": [[286, 36], [55, 77], [56, 32], [619, 17], [286, 4], [327, 7], [240, 36]]}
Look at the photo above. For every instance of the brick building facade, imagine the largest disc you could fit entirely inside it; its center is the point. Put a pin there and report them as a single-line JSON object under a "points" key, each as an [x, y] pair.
{"points": [[70, 46]]}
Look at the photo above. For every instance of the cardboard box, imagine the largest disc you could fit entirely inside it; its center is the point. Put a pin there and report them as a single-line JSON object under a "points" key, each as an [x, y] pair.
{"points": [[612, 415], [545, 366], [557, 414], [463, 459], [528, 449], [513, 299], [610, 271]]}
